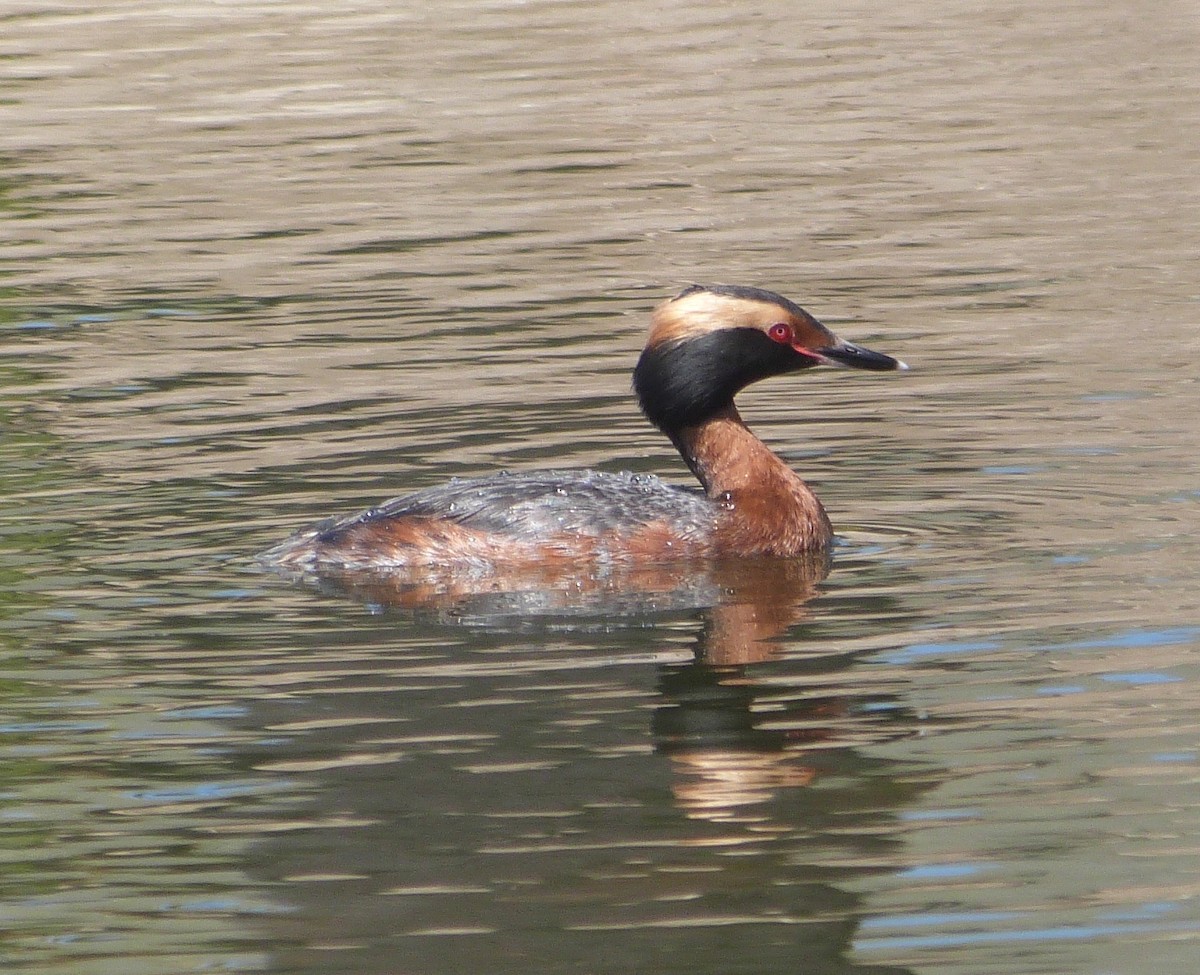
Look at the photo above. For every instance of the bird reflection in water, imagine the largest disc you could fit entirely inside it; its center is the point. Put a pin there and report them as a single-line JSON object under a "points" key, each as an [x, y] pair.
{"points": [[736, 737]]}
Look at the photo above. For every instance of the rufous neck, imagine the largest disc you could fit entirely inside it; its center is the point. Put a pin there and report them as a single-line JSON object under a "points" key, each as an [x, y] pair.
{"points": [[726, 456], [767, 509]]}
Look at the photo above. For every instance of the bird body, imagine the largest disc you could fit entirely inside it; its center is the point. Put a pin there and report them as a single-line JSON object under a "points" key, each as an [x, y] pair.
{"points": [[704, 346]]}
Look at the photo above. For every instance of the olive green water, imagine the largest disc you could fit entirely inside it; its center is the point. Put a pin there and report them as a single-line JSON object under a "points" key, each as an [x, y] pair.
{"points": [[267, 262]]}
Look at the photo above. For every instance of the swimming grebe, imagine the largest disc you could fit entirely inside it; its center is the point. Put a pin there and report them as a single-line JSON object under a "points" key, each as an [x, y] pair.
{"points": [[705, 345]]}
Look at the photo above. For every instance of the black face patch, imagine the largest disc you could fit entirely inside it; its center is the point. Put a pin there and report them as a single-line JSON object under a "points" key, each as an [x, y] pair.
{"points": [[684, 383]]}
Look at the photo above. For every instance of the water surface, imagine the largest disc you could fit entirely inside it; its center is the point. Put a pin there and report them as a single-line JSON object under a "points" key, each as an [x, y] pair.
{"points": [[269, 262]]}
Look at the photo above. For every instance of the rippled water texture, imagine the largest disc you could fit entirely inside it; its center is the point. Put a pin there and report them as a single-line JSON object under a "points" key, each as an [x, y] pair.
{"points": [[268, 262]]}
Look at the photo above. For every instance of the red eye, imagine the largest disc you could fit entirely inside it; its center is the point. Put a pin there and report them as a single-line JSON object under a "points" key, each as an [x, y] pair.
{"points": [[781, 333]]}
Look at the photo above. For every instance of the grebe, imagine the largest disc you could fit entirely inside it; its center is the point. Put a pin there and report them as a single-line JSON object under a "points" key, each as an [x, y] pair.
{"points": [[705, 345]]}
